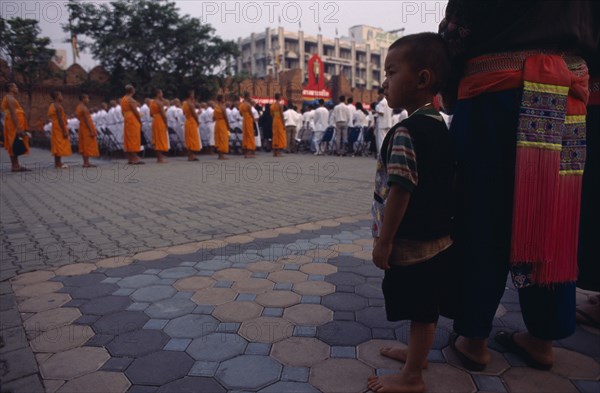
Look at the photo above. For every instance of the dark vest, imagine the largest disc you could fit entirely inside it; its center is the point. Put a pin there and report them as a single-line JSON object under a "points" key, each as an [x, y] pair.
{"points": [[430, 209]]}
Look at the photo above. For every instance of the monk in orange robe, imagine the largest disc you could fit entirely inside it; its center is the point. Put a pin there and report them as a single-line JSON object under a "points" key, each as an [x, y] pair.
{"points": [[88, 145], [15, 125], [160, 135], [248, 141], [191, 130], [279, 138], [132, 129], [60, 144], [221, 128]]}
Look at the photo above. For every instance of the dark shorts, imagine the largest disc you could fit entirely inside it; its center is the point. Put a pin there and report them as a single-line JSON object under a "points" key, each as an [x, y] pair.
{"points": [[421, 292]]}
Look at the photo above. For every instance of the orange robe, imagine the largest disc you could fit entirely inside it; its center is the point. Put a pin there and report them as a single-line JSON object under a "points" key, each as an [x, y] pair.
{"points": [[10, 129], [248, 141], [221, 131], [160, 135], [88, 145], [192, 132], [279, 138], [132, 130], [59, 145]]}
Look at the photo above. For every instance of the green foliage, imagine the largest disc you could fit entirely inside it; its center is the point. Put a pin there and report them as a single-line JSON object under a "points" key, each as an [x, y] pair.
{"points": [[149, 44], [26, 53]]}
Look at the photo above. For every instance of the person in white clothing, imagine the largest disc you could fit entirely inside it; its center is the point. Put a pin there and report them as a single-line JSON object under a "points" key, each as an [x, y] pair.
{"points": [[341, 116], [352, 109], [384, 119], [172, 120], [146, 119], [321, 119], [257, 137], [398, 115], [290, 119]]}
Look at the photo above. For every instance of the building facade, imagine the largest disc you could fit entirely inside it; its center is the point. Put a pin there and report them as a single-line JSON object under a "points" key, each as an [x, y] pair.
{"points": [[359, 57]]}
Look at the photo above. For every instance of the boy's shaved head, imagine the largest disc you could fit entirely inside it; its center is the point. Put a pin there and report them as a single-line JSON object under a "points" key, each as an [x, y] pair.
{"points": [[427, 51]]}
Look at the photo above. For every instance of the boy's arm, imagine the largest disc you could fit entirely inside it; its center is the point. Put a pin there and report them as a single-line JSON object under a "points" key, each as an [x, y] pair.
{"points": [[395, 208]]}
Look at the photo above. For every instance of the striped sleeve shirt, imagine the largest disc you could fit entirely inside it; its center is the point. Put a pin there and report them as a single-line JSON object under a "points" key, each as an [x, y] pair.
{"points": [[402, 161]]}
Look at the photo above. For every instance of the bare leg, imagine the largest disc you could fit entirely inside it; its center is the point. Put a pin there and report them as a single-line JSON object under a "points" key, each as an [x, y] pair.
{"points": [[86, 162], [57, 162], [398, 353], [222, 156], [191, 156], [410, 378], [160, 157], [14, 160]]}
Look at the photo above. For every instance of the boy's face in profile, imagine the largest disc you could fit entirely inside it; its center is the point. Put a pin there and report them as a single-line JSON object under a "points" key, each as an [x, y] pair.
{"points": [[400, 83]]}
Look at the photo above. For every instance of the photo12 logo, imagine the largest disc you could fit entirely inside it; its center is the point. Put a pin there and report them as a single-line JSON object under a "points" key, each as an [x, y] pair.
{"points": [[42, 11], [268, 11]]}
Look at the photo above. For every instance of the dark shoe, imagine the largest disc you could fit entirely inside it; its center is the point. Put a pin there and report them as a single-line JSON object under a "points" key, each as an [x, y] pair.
{"points": [[507, 340], [467, 362]]}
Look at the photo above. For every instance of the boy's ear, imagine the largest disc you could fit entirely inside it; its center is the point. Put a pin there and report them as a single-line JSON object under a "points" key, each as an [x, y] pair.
{"points": [[424, 79]]}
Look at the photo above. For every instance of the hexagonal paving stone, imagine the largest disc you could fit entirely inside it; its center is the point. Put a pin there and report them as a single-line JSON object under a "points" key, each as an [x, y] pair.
{"points": [[121, 322], [231, 275], [74, 363], [525, 380], [345, 278], [84, 280], [574, 365], [217, 347], [159, 368], [214, 296], [375, 317], [321, 269], [343, 333], [291, 276], [105, 305], [75, 269], [93, 291], [340, 375], [253, 285], [344, 302], [45, 302], [150, 255], [248, 372], [237, 311], [295, 387], [137, 343], [37, 289], [346, 247], [192, 384], [170, 308], [369, 290], [114, 262], [192, 284], [266, 329], [178, 272], [368, 353], [278, 299], [182, 249], [322, 253], [314, 288], [51, 319], [153, 293], [300, 351], [264, 266], [138, 281], [443, 378], [62, 338], [99, 381], [295, 259], [191, 326], [308, 315], [32, 277]]}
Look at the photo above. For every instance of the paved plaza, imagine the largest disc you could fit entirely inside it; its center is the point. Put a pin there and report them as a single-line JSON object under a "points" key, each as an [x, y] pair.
{"points": [[210, 276]]}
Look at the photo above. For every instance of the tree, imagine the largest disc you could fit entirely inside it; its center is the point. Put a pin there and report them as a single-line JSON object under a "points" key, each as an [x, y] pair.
{"points": [[26, 53], [149, 44]]}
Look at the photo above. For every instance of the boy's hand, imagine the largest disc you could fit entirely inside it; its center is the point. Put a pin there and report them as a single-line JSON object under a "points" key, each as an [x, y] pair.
{"points": [[381, 254]]}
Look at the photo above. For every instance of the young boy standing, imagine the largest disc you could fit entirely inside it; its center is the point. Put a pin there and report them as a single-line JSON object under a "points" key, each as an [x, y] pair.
{"points": [[412, 207]]}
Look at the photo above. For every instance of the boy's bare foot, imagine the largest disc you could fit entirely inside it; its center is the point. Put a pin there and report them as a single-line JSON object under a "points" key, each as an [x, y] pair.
{"points": [[398, 353], [475, 350], [539, 350], [396, 383]]}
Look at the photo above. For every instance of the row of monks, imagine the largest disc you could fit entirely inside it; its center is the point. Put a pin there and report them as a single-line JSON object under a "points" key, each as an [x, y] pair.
{"points": [[60, 145]]}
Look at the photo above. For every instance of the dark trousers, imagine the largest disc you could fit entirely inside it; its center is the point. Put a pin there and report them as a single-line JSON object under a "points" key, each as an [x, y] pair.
{"points": [[484, 132]]}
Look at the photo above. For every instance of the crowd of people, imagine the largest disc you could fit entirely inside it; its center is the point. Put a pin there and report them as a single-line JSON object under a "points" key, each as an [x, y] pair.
{"points": [[215, 126]]}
